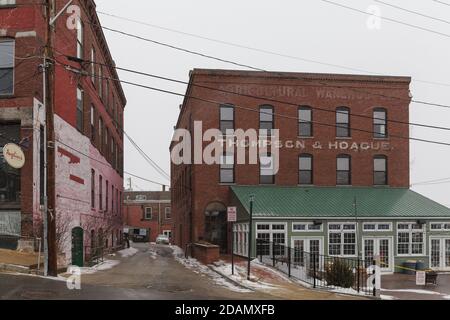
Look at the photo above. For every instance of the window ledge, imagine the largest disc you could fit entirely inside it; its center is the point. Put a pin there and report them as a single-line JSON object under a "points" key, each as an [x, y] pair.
{"points": [[343, 138], [227, 184], [308, 137]]}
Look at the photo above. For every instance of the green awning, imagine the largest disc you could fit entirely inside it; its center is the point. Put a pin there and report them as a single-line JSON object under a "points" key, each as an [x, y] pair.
{"points": [[337, 202]]}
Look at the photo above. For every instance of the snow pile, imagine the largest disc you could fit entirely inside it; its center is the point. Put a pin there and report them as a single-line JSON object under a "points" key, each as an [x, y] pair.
{"points": [[105, 265], [240, 276], [418, 291], [125, 253], [195, 266], [385, 297], [446, 297]]}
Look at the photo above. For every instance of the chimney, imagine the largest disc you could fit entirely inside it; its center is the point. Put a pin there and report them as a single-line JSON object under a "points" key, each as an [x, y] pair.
{"points": [[163, 188]]}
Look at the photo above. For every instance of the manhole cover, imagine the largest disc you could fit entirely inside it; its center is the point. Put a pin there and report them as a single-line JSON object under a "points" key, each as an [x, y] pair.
{"points": [[32, 295]]}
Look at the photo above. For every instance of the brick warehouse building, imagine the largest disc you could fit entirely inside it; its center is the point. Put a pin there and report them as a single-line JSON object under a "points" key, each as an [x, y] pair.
{"points": [[342, 187], [88, 130], [147, 214]]}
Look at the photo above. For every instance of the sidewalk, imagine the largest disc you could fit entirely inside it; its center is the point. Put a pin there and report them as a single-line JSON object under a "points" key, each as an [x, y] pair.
{"points": [[267, 280], [15, 261]]}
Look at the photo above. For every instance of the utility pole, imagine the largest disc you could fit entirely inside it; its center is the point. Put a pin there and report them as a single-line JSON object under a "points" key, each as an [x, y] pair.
{"points": [[250, 227], [50, 197]]}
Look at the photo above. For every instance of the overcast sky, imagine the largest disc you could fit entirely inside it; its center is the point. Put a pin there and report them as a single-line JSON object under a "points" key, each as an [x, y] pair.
{"points": [[310, 29]]}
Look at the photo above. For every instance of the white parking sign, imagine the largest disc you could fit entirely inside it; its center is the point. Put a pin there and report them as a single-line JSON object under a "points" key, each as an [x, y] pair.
{"points": [[232, 214]]}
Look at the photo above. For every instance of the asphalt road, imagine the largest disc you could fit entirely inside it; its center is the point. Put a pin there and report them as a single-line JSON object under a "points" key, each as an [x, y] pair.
{"points": [[140, 277]]}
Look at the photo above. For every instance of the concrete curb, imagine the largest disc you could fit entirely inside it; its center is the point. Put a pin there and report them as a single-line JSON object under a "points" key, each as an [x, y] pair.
{"points": [[4, 267], [230, 279]]}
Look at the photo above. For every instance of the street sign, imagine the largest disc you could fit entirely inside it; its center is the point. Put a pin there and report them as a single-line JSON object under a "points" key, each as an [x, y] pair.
{"points": [[421, 278], [14, 155], [232, 214]]}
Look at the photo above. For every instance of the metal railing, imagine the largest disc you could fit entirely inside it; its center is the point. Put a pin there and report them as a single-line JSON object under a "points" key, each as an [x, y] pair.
{"points": [[346, 275]]}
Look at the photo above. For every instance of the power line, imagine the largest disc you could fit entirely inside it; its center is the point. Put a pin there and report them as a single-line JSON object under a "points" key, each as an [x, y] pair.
{"points": [[269, 52], [218, 103], [442, 2], [388, 19], [264, 98], [259, 69], [413, 12], [145, 179]]}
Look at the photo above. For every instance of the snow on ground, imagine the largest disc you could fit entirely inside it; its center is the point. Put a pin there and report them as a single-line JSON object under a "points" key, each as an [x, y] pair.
{"points": [[125, 253], [240, 276], [386, 297], [418, 291], [105, 265], [195, 266], [446, 297]]}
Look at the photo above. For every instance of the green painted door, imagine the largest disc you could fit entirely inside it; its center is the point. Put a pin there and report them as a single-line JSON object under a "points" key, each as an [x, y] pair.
{"points": [[77, 247]]}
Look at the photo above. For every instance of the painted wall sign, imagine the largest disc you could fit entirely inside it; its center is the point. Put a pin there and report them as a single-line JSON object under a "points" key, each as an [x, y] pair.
{"points": [[337, 145], [14, 155]]}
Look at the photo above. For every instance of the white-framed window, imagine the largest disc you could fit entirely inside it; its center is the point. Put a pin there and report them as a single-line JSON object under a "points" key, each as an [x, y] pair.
{"points": [[80, 109], [93, 65], [267, 170], [306, 227], [167, 213], [342, 239], [439, 226], [80, 39], [148, 213], [240, 238], [7, 47], [227, 168], [141, 197], [275, 233], [168, 233], [377, 226], [7, 2], [410, 239]]}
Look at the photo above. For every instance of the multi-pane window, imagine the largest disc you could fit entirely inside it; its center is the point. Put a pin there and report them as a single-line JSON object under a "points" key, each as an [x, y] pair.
{"points": [[305, 122], [92, 122], [92, 189], [227, 168], [380, 170], [271, 232], [93, 65], [377, 226], [100, 82], [410, 239], [304, 227], [167, 213], [343, 172], [226, 118], [6, 67], [342, 239], [107, 196], [100, 193], [266, 119], [266, 165], [343, 122], [440, 226], [80, 39], [148, 213], [80, 109], [379, 123], [100, 133], [305, 162]]}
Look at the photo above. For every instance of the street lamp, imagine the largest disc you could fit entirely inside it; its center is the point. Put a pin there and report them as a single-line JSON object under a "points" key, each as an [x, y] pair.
{"points": [[250, 238]]}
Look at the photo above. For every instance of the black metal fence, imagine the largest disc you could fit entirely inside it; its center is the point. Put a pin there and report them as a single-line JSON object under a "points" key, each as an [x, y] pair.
{"points": [[346, 275]]}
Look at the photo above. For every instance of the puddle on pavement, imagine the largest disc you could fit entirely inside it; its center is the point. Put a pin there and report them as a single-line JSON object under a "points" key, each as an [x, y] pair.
{"points": [[169, 288], [32, 295]]}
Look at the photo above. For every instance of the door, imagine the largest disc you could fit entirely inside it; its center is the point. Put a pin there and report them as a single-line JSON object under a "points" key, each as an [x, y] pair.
{"points": [[77, 247], [381, 247], [440, 253], [305, 248]]}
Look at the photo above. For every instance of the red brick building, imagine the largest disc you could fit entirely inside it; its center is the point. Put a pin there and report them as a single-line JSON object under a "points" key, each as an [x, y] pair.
{"points": [[332, 147], [88, 127], [147, 214]]}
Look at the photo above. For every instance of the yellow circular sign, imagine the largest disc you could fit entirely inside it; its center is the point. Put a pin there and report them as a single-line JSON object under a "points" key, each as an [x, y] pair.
{"points": [[14, 155]]}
